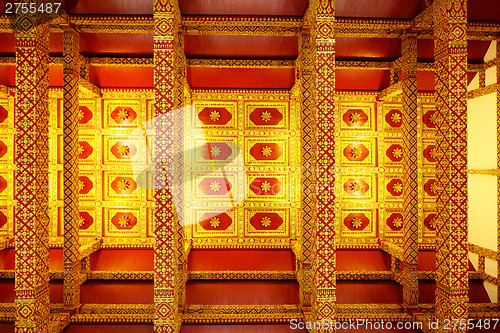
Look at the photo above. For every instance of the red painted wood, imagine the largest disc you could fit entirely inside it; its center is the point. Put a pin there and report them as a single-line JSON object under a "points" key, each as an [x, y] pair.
{"points": [[477, 292], [56, 291], [108, 328], [122, 260], [56, 261], [381, 49], [425, 81], [245, 78], [7, 293], [483, 10], [378, 8], [242, 292], [355, 292], [114, 7], [7, 328], [352, 260], [362, 80], [55, 76], [8, 45], [241, 47], [243, 7], [224, 260], [8, 76], [7, 259], [257, 328], [115, 292], [123, 45], [122, 77]]}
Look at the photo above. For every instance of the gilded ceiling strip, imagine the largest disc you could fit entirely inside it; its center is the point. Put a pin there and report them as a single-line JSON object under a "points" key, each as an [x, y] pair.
{"points": [[89, 247], [412, 200], [253, 26], [114, 318], [242, 275], [31, 177], [305, 71], [327, 212], [71, 217], [391, 91], [240, 63], [58, 321], [394, 250], [452, 284], [167, 276], [88, 88], [282, 313], [120, 275], [482, 251]]}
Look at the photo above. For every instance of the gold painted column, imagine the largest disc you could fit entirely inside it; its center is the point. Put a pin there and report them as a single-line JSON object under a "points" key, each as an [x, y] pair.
{"points": [[71, 247], [166, 296], [308, 170], [410, 167], [32, 181], [450, 53], [326, 211]]}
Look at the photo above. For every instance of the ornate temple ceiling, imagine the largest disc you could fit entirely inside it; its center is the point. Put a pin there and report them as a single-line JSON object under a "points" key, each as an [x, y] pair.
{"points": [[250, 47]]}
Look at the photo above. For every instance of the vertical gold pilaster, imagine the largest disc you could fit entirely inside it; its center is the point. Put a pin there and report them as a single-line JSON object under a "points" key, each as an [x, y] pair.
{"points": [[166, 291], [71, 75], [326, 209], [32, 183], [410, 167], [450, 50]]}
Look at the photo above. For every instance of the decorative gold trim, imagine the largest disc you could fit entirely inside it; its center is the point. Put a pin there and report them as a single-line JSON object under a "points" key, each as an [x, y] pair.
{"points": [[242, 275], [240, 63], [240, 313]]}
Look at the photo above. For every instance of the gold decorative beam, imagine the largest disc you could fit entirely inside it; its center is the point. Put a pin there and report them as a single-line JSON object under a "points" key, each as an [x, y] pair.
{"points": [[240, 63], [120, 275], [242, 275], [391, 91], [241, 313], [5, 243], [252, 26], [483, 91], [121, 62], [394, 250], [87, 87], [90, 247]]}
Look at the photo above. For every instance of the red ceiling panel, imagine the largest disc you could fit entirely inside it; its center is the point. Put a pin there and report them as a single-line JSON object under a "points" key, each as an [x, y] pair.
{"points": [[113, 7], [242, 292], [403, 9], [356, 292], [244, 7], [381, 49], [8, 76], [123, 45], [361, 80], [244, 78], [7, 293], [122, 260], [358, 260], [122, 77], [224, 260], [241, 47], [7, 44], [112, 292], [483, 10]]}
